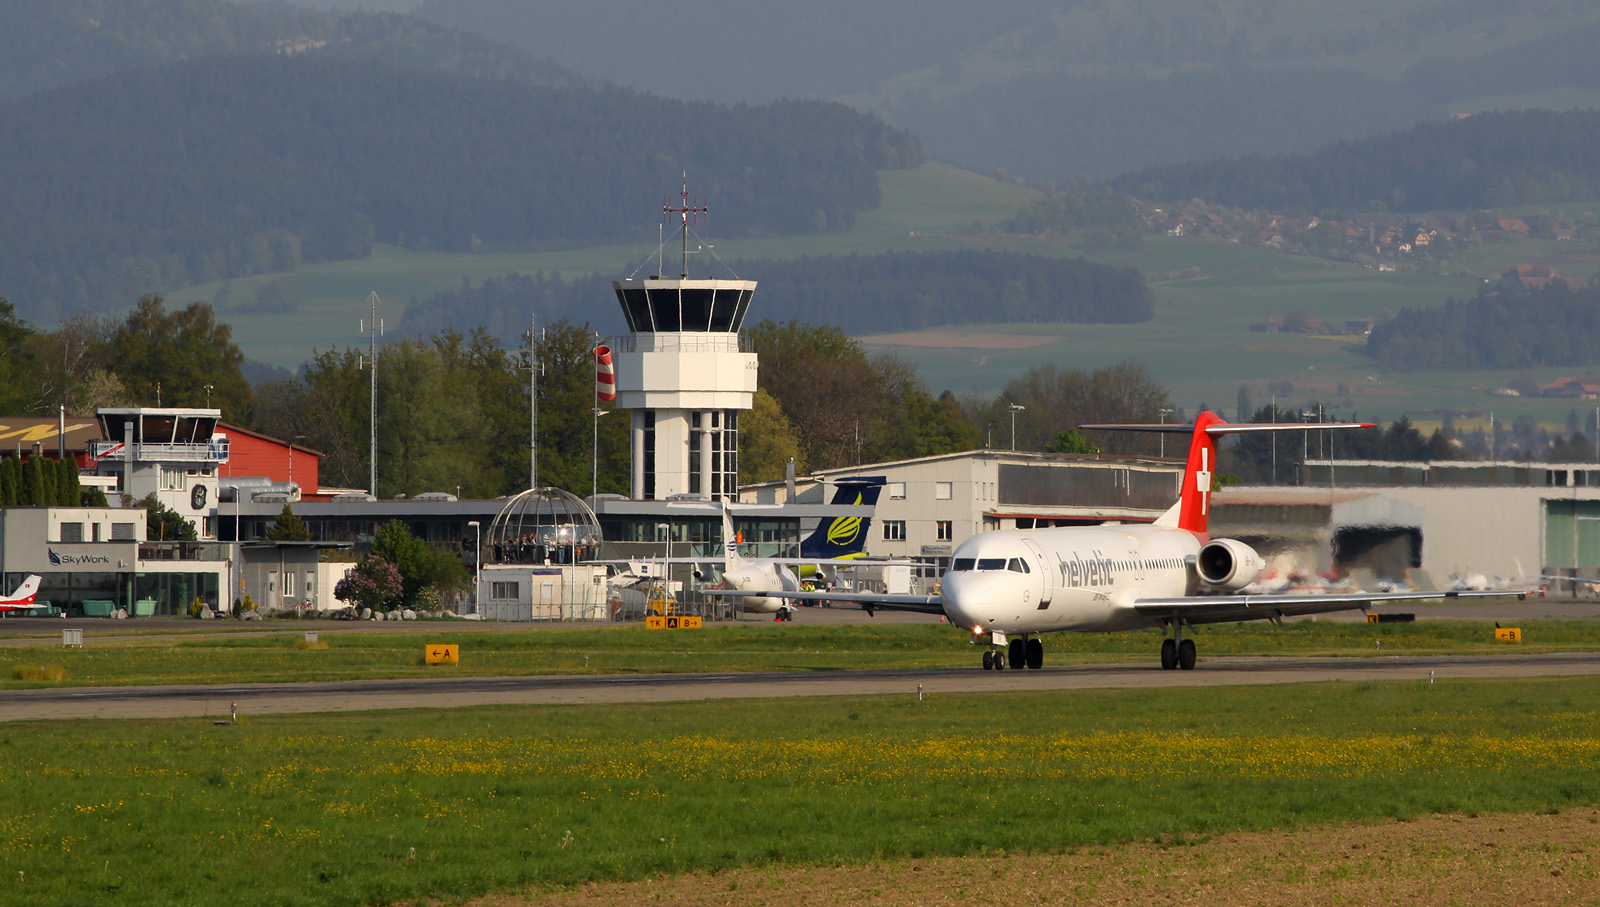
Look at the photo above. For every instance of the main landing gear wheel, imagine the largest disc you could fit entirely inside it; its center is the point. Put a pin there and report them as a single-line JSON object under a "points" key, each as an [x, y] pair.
{"points": [[1169, 654], [1018, 656], [1186, 655], [1035, 654], [988, 661]]}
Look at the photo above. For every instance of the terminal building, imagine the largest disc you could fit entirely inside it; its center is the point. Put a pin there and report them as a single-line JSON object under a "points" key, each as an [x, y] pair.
{"points": [[101, 561]]}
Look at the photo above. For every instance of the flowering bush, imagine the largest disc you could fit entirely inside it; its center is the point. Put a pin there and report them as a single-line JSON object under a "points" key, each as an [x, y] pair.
{"points": [[374, 583]]}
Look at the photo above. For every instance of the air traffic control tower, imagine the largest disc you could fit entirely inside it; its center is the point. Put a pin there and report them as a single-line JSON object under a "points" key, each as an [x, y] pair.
{"points": [[683, 375]]}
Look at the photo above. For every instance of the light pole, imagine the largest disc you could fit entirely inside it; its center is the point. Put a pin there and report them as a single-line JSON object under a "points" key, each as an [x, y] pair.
{"points": [[990, 437], [209, 388], [1164, 412], [477, 561], [1305, 435], [666, 567], [1015, 408]]}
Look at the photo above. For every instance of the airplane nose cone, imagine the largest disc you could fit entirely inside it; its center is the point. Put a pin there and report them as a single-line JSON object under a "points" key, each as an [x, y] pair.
{"points": [[962, 603]]}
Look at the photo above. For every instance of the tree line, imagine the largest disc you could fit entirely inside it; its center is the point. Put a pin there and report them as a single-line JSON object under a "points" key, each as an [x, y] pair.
{"points": [[289, 160], [39, 481], [1507, 327], [1487, 160], [895, 291]]}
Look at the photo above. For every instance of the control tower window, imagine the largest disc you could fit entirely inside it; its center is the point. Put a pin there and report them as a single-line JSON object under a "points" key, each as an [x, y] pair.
{"points": [[744, 306], [664, 308], [696, 309], [725, 310], [649, 453], [636, 307]]}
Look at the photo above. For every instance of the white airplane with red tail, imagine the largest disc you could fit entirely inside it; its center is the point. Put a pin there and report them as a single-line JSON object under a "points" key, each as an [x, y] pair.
{"points": [[22, 599], [1015, 585]]}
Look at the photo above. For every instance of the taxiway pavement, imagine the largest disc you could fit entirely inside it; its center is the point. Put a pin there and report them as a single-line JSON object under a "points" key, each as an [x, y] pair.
{"points": [[256, 699]]}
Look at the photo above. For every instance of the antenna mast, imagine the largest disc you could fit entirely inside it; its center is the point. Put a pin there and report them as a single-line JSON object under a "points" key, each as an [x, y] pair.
{"points": [[534, 369], [372, 328], [684, 211]]}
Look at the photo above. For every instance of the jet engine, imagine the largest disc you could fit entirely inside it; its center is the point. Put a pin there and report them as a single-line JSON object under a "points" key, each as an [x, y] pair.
{"points": [[1228, 564]]}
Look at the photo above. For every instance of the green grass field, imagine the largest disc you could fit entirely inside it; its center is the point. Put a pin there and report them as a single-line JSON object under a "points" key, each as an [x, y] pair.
{"points": [[270, 658], [380, 808]]}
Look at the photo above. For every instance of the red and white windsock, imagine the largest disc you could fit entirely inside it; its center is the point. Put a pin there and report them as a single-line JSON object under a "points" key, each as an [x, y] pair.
{"points": [[605, 380]]}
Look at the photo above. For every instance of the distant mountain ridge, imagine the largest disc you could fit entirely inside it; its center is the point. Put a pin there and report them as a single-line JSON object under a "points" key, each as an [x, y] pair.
{"points": [[1483, 161], [46, 45], [1054, 90], [196, 171]]}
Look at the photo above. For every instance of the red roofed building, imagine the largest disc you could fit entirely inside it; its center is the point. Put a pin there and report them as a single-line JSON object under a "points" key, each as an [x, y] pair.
{"points": [[254, 454]]}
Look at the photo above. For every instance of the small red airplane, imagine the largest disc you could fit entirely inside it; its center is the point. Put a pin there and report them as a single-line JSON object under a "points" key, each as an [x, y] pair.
{"points": [[22, 599]]}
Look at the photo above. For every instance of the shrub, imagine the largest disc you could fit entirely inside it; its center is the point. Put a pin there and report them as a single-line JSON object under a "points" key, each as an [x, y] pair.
{"points": [[52, 673]]}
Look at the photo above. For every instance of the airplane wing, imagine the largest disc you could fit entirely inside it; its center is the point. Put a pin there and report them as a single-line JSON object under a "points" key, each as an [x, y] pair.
{"points": [[1216, 609], [869, 601]]}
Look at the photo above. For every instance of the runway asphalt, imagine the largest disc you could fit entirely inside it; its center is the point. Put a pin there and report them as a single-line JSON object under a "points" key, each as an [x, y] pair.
{"points": [[216, 700], [257, 699]]}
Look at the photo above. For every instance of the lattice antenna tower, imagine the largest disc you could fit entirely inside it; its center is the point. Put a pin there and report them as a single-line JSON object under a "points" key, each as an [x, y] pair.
{"points": [[373, 328], [686, 213]]}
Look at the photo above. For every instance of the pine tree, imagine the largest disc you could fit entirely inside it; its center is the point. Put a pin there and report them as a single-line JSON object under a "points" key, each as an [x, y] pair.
{"points": [[288, 527], [47, 476], [34, 492], [69, 490], [11, 492]]}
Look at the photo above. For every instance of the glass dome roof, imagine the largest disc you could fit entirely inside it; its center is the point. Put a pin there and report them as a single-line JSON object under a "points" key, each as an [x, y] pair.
{"points": [[543, 526]]}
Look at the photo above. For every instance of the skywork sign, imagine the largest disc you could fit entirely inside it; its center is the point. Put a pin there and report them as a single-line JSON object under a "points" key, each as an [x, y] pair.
{"points": [[78, 560]]}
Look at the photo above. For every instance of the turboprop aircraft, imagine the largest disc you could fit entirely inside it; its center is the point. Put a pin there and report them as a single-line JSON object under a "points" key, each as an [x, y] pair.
{"points": [[1013, 586], [22, 599]]}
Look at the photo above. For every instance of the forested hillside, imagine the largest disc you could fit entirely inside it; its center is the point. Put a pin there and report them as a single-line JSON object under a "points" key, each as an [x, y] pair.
{"points": [[225, 167], [860, 294], [1482, 161], [1554, 325], [49, 44], [1073, 89]]}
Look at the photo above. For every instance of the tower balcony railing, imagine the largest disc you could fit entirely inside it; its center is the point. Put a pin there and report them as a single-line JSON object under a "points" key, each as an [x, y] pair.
{"points": [[697, 342], [215, 451]]}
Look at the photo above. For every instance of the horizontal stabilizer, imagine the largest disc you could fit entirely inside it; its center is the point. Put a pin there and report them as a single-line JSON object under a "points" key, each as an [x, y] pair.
{"points": [[1226, 428]]}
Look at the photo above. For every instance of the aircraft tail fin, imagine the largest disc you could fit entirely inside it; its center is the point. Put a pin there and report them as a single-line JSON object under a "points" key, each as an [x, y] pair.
{"points": [[847, 535], [1194, 499], [731, 559], [26, 592]]}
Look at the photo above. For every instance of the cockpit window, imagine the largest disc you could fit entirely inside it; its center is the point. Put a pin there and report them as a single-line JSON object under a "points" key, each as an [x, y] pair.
{"points": [[961, 563], [1017, 565], [991, 563]]}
